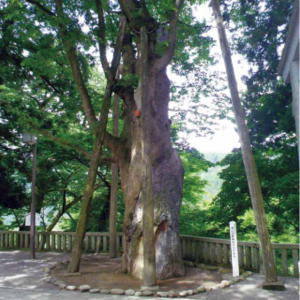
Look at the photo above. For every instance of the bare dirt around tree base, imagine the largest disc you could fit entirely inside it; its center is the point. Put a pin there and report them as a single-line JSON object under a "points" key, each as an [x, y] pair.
{"points": [[102, 272]]}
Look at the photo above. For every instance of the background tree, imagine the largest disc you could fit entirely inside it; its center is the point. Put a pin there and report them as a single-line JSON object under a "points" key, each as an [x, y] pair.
{"points": [[194, 213], [261, 31], [268, 258]]}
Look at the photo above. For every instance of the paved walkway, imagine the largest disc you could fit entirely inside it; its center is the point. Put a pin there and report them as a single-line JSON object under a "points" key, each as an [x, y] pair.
{"points": [[24, 279]]}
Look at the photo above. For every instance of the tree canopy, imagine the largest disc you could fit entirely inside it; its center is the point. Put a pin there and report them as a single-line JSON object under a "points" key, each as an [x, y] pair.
{"points": [[38, 93]]}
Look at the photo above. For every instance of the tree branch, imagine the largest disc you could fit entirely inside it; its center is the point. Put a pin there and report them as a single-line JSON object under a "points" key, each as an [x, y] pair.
{"points": [[16, 217], [110, 72], [118, 47], [110, 85], [61, 212], [70, 216], [128, 7], [102, 39], [50, 84], [137, 20], [103, 179], [41, 7], [75, 68], [62, 142], [166, 58]]}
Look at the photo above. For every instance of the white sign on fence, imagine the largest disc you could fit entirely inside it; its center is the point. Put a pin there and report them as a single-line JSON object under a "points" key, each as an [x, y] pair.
{"points": [[234, 250], [37, 220]]}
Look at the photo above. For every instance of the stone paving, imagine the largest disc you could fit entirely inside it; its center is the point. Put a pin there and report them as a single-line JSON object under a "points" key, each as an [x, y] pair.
{"points": [[23, 278]]}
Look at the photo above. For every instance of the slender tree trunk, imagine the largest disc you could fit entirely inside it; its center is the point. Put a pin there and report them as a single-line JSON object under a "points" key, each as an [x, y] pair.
{"points": [[56, 219], [249, 162], [84, 211], [90, 184], [33, 201], [149, 271], [114, 188]]}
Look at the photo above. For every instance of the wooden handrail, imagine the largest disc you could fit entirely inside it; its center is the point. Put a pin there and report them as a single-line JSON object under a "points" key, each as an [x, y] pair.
{"points": [[198, 249]]}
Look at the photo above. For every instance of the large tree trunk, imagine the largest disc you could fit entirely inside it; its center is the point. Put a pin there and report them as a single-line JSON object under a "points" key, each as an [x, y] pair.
{"points": [[167, 178]]}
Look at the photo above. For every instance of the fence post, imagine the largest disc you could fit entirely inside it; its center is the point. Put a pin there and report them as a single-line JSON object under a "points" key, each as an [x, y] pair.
{"points": [[234, 249], [295, 262]]}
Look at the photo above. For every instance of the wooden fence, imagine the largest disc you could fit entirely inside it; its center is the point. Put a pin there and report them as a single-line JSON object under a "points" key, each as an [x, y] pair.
{"points": [[217, 252], [198, 249], [97, 242]]}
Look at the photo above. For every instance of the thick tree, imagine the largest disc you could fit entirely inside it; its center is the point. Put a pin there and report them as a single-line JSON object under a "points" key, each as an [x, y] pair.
{"points": [[48, 62], [166, 168]]}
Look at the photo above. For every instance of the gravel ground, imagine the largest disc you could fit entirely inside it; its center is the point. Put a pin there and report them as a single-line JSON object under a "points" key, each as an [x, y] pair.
{"points": [[23, 278]]}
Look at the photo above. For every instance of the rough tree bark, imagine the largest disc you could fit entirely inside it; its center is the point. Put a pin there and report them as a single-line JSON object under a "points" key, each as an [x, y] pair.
{"points": [[149, 266], [167, 177], [166, 167], [248, 159], [114, 188]]}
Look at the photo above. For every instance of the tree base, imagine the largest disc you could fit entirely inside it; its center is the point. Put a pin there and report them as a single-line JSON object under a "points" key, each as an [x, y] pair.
{"points": [[275, 286]]}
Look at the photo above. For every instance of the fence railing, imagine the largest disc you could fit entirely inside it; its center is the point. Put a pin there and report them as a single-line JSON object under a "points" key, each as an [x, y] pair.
{"points": [[198, 249], [217, 252], [96, 242]]}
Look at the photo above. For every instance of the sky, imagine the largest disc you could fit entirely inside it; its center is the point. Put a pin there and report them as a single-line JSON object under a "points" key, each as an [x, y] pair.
{"points": [[223, 141], [225, 137]]}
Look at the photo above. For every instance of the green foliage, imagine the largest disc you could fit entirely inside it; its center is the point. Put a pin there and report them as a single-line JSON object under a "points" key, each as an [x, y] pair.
{"points": [[37, 93], [12, 186], [259, 28], [192, 217], [262, 27], [279, 180], [194, 164], [129, 80], [270, 117]]}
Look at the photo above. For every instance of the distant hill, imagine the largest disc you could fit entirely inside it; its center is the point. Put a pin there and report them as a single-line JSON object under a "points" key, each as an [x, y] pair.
{"points": [[214, 182], [214, 156]]}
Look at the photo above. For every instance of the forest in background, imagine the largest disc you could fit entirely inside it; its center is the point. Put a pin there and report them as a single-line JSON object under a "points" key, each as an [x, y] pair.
{"points": [[209, 201]]}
